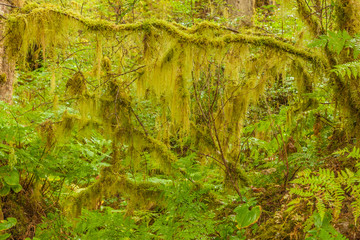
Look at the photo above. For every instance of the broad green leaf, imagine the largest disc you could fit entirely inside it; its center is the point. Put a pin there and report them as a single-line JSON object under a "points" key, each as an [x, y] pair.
{"points": [[321, 221], [245, 217], [16, 188], [5, 236], [4, 170], [12, 178], [8, 223], [4, 190]]}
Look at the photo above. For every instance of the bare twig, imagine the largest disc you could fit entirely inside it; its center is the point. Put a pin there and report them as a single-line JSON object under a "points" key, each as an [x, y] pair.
{"points": [[120, 74], [227, 168], [9, 5], [138, 119], [207, 155]]}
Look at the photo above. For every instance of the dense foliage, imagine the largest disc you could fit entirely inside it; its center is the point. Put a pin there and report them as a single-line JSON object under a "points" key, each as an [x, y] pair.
{"points": [[141, 119]]}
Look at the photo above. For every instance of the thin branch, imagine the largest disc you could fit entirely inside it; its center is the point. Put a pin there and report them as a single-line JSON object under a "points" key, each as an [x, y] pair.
{"points": [[199, 103], [285, 158], [227, 168], [121, 74], [138, 119], [128, 85], [209, 156], [232, 30], [72, 54], [9, 5]]}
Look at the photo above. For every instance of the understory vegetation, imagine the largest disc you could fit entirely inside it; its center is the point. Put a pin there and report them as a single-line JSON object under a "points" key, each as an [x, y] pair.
{"points": [[140, 119]]}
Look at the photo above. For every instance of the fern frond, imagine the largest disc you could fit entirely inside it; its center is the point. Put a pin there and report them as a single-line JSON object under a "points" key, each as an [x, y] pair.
{"points": [[347, 69], [329, 189], [324, 186], [301, 192], [356, 209], [320, 206], [355, 153], [356, 204]]}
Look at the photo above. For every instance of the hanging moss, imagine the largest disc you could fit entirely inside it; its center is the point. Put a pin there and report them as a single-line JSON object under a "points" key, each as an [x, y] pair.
{"points": [[304, 81], [203, 139], [52, 82], [173, 57], [65, 126], [98, 61], [161, 152], [76, 85], [18, 29], [168, 56], [48, 133], [347, 14], [106, 64]]}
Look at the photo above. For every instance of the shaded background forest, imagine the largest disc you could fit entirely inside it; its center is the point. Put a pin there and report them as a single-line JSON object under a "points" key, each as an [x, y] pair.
{"points": [[179, 120]]}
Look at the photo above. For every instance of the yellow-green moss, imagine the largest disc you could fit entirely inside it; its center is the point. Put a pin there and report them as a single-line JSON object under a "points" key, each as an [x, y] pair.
{"points": [[76, 85], [18, 29], [311, 19], [3, 78], [106, 64], [110, 185]]}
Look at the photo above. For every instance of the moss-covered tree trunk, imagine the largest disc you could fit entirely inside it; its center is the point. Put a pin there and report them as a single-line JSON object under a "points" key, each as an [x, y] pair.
{"points": [[7, 68], [243, 9]]}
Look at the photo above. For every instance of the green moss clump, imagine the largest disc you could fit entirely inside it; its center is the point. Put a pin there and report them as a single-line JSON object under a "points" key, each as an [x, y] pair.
{"points": [[3, 78], [76, 85], [106, 64]]}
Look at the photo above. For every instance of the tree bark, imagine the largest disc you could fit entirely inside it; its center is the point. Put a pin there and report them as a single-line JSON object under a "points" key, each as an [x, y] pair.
{"points": [[7, 67], [242, 8]]}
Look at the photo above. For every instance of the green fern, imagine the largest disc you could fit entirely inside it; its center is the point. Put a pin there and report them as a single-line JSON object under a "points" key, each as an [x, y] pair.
{"points": [[324, 187], [356, 204], [319, 227], [349, 69], [329, 190], [355, 153], [351, 180]]}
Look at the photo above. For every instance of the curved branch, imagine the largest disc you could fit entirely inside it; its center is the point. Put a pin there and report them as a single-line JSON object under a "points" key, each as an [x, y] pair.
{"points": [[182, 34]]}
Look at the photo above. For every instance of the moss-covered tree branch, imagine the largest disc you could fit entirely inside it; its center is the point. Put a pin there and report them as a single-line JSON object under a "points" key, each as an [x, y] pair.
{"points": [[18, 23]]}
